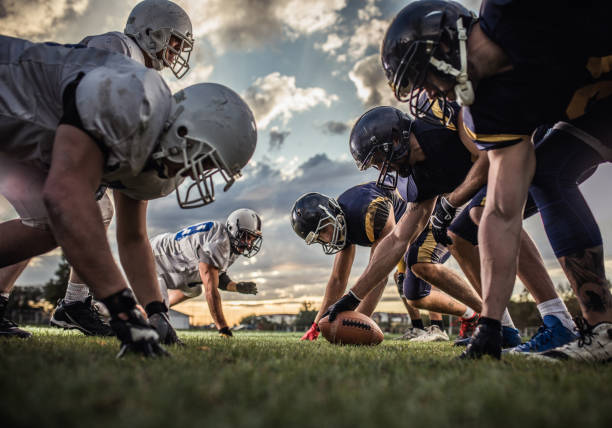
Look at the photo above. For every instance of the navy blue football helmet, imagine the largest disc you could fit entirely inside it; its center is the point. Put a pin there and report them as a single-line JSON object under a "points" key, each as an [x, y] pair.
{"points": [[428, 36], [379, 137], [312, 213]]}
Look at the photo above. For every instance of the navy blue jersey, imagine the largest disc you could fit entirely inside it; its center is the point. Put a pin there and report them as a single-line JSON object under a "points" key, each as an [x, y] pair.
{"points": [[366, 209], [559, 69], [445, 167]]}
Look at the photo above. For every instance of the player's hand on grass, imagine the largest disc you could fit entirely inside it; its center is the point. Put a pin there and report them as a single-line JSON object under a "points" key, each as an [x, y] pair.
{"points": [[312, 333], [225, 332], [136, 335], [348, 302], [161, 323], [441, 218], [246, 287]]}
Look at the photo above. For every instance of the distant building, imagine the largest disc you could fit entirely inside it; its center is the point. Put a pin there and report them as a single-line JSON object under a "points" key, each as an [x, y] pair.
{"points": [[286, 319], [178, 320]]}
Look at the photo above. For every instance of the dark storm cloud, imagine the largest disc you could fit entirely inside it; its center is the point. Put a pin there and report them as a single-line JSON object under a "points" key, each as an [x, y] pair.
{"points": [[277, 138], [333, 127]]}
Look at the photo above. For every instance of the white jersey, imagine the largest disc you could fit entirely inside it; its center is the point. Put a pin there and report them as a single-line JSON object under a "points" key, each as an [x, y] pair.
{"points": [[121, 104], [178, 255], [115, 42]]}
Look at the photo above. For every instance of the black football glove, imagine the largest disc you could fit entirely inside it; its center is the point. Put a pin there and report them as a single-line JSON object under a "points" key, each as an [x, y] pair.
{"points": [[159, 320], [132, 329], [348, 302], [246, 287], [225, 332], [441, 218], [399, 281]]}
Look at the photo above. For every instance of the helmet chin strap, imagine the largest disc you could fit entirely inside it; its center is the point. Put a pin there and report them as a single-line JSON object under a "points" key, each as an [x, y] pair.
{"points": [[464, 90]]}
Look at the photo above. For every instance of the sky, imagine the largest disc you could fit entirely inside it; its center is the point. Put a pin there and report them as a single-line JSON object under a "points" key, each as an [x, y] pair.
{"points": [[308, 69]]}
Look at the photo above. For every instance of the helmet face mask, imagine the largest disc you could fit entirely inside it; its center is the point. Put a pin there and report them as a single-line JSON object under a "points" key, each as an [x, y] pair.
{"points": [[244, 228], [381, 139], [211, 131], [162, 30], [428, 38], [312, 216]]}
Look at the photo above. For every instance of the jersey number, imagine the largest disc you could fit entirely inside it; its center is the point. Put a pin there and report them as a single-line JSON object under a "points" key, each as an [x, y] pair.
{"points": [[196, 228]]}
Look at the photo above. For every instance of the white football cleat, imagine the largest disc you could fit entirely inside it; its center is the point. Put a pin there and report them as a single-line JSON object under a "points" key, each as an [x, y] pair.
{"points": [[593, 345], [411, 333], [433, 333]]}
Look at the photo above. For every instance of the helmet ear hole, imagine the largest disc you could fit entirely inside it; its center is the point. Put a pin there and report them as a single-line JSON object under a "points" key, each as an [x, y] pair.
{"points": [[181, 131]]}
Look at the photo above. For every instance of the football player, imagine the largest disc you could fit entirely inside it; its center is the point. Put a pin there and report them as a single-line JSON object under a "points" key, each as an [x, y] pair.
{"points": [[426, 160], [362, 216], [202, 254], [493, 66], [78, 117], [158, 34]]}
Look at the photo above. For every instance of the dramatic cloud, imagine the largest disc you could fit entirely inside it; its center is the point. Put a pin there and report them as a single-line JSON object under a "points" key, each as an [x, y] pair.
{"points": [[369, 34], [371, 84], [276, 96], [277, 137], [333, 127], [249, 24], [331, 44]]}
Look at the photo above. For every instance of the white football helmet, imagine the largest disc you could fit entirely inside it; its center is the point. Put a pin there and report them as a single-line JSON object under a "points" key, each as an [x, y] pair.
{"points": [[244, 227], [152, 24], [210, 130]]}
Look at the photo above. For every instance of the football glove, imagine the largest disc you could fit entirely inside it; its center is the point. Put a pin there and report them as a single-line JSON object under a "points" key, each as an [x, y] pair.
{"points": [[137, 336], [132, 329], [312, 333], [399, 281], [225, 332], [348, 302], [246, 287], [161, 323], [441, 218]]}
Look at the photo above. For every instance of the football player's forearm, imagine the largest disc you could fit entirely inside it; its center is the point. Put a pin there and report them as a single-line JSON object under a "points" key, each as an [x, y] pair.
{"points": [[476, 178], [213, 298], [393, 247], [333, 292], [142, 275]]}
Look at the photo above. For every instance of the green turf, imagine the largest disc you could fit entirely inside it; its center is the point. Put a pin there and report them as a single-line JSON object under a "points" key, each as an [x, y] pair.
{"points": [[272, 380]]}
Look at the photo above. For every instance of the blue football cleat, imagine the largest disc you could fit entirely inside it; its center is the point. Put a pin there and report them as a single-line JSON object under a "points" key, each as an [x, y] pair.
{"points": [[550, 335], [510, 337]]}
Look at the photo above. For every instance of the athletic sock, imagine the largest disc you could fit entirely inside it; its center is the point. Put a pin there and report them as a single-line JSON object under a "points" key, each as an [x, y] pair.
{"points": [[5, 295], [469, 313], [557, 308], [76, 292], [418, 324], [506, 320], [439, 323]]}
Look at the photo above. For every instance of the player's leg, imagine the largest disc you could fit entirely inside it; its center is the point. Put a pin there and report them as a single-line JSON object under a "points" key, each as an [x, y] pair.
{"points": [[77, 309], [8, 276], [572, 229]]}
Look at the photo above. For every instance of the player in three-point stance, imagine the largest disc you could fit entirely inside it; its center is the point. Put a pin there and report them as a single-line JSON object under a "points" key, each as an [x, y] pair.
{"points": [[199, 256]]}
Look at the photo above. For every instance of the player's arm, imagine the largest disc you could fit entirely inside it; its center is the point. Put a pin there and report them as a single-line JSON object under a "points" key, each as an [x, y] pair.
{"points": [[135, 251], [68, 194], [476, 177], [338, 279], [242, 287], [392, 247], [210, 278]]}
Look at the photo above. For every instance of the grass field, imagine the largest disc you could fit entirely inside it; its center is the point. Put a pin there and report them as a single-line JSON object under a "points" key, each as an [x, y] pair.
{"points": [[271, 380]]}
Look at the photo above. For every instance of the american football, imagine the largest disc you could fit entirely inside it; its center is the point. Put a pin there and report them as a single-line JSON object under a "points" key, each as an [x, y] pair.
{"points": [[351, 328]]}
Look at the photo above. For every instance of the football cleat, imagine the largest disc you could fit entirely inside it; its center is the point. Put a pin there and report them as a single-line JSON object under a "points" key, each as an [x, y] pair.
{"points": [[468, 325], [411, 333], [462, 342], [510, 337], [486, 340], [7, 327], [550, 335], [433, 333], [594, 344], [81, 316]]}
